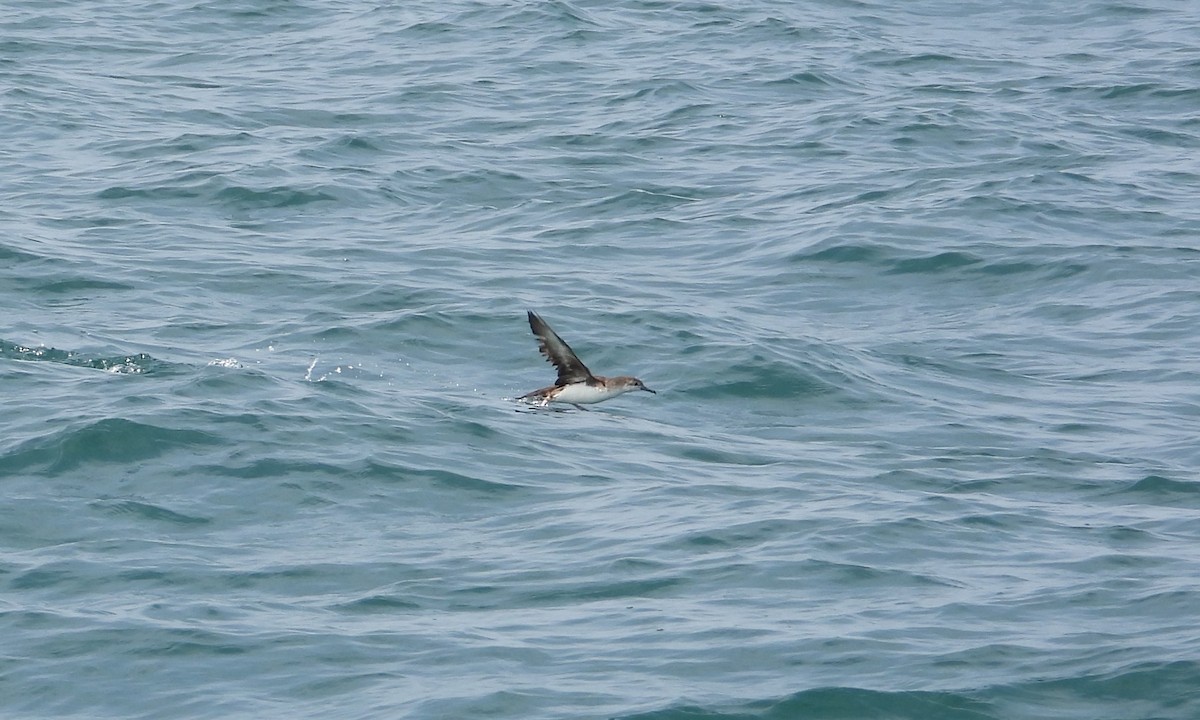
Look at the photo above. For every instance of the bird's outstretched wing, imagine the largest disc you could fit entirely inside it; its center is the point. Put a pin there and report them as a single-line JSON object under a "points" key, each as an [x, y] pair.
{"points": [[559, 353]]}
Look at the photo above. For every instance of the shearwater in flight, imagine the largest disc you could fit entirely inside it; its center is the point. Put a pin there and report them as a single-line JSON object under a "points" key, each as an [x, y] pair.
{"points": [[575, 384]]}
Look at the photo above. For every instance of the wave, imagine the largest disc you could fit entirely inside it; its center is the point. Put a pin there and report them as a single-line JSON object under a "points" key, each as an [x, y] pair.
{"points": [[1162, 689], [134, 364], [114, 440]]}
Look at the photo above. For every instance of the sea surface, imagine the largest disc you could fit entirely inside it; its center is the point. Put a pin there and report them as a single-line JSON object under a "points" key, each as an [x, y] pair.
{"points": [[917, 283]]}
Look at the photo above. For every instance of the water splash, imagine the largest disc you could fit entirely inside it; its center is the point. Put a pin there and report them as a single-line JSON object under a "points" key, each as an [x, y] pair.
{"points": [[134, 364]]}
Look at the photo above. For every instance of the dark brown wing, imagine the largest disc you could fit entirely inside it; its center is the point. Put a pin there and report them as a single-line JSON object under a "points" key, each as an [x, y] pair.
{"points": [[558, 352]]}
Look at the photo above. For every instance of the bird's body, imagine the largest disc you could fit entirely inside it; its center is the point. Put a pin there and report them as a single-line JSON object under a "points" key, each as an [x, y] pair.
{"points": [[576, 384], [583, 393]]}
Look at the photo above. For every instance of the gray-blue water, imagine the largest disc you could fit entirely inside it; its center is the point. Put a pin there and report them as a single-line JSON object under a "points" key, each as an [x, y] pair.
{"points": [[918, 285]]}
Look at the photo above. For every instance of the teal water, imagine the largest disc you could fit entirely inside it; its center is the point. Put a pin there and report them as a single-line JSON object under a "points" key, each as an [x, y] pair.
{"points": [[918, 285]]}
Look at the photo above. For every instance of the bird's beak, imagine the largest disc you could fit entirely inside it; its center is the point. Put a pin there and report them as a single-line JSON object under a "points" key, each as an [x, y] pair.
{"points": [[649, 390]]}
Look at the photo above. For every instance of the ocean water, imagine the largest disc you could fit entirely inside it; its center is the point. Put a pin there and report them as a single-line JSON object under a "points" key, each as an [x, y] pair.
{"points": [[918, 285]]}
